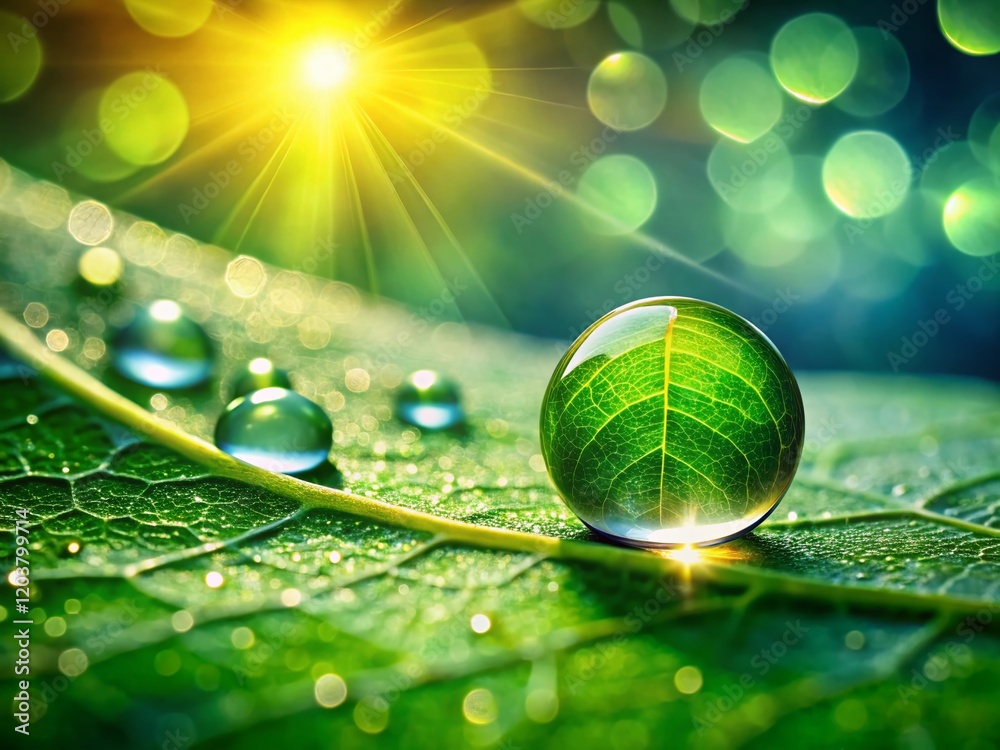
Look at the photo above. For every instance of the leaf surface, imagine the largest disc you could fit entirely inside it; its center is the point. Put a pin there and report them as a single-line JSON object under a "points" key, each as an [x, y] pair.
{"points": [[860, 613]]}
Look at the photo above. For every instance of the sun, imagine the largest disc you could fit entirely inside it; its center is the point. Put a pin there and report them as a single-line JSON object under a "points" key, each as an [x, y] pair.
{"points": [[326, 66]]}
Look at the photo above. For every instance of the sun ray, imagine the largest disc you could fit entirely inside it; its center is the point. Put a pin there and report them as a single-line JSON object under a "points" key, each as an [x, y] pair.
{"points": [[638, 237], [445, 228], [415, 26], [181, 164], [359, 212], [283, 147], [363, 123]]}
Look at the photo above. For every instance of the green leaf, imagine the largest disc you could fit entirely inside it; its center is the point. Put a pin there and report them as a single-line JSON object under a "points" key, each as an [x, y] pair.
{"points": [[208, 600], [672, 421]]}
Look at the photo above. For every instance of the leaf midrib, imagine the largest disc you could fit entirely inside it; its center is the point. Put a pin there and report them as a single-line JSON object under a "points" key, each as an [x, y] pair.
{"points": [[668, 336], [23, 344]]}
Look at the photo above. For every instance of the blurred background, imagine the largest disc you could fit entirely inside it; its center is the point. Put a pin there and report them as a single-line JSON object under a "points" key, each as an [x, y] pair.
{"points": [[826, 169]]}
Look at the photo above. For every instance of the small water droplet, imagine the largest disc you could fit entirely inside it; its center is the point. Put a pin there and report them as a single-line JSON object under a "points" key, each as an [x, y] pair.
{"points": [[429, 401], [275, 429], [257, 374], [164, 348]]}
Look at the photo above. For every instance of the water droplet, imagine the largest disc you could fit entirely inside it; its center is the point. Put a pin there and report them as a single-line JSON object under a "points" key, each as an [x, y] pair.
{"points": [[275, 429], [163, 348], [672, 422], [259, 373], [429, 401]]}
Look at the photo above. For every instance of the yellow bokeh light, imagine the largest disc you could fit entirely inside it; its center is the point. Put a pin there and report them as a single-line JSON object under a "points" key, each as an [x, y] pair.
{"points": [[165, 311], [480, 623], [688, 680], [150, 117], [330, 690], [214, 579], [480, 707], [90, 223], [100, 266]]}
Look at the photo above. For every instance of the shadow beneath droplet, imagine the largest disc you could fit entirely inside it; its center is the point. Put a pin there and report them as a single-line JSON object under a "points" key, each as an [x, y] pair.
{"points": [[141, 393], [326, 474]]}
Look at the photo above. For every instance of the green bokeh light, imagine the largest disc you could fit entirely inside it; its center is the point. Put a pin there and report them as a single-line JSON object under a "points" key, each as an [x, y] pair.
{"points": [[751, 177], [753, 239], [866, 174], [972, 217], [148, 117], [982, 125], [973, 26], [815, 57], [804, 213], [84, 144], [558, 14], [914, 232], [687, 217], [808, 275], [788, 229], [20, 56], [708, 12], [740, 99], [883, 75], [627, 91], [949, 169], [170, 18], [648, 26], [617, 194]]}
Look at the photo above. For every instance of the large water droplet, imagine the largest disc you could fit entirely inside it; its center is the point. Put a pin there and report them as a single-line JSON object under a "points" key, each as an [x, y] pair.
{"points": [[672, 422], [429, 401], [257, 374], [163, 348], [275, 429]]}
